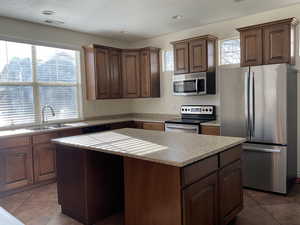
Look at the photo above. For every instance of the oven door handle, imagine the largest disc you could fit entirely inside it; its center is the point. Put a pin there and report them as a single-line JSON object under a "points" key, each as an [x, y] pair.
{"points": [[182, 128]]}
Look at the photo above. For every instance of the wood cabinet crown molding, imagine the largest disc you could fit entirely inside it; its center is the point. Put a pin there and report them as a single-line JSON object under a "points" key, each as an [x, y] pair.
{"points": [[207, 36], [292, 21]]}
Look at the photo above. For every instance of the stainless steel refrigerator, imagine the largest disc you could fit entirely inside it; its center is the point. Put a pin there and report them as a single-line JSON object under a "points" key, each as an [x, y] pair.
{"points": [[260, 104]]}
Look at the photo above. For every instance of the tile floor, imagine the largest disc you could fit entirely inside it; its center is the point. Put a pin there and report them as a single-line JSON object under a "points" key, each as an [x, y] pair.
{"points": [[39, 207]]}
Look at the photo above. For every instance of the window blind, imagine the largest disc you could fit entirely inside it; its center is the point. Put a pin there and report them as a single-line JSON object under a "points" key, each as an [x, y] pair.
{"points": [[16, 105], [33, 76]]}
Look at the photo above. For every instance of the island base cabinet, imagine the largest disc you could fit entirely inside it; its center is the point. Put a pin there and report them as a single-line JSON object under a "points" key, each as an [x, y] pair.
{"points": [[152, 193], [200, 202], [90, 184], [231, 192]]}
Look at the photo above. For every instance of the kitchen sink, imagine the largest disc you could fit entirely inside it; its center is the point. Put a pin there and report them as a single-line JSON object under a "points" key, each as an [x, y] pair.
{"points": [[48, 127]]}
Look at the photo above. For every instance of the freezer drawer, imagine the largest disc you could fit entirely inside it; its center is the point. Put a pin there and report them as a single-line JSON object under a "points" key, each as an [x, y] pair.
{"points": [[265, 167]]}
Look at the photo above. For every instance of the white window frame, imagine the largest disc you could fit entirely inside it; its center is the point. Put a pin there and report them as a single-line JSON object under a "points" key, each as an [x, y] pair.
{"points": [[164, 69], [220, 53], [35, 84]]}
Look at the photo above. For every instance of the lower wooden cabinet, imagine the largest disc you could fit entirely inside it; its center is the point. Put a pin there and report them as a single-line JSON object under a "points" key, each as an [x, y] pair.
{"points": [[200, 202], [154, 126], [16, 168], [210, 130], [231, 195], [44, 162]]}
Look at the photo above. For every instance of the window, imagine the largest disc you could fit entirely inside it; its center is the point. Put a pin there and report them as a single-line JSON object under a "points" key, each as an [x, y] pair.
{"points": [[230, 51], [32, 76], [168, 58]]}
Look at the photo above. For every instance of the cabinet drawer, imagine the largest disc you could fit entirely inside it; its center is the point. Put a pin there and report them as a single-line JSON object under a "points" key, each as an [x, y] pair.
{"points": [[210, 130], [14, 142], [122, 125], [198, 170], [230, 155], [44, 138], [154, 126]]}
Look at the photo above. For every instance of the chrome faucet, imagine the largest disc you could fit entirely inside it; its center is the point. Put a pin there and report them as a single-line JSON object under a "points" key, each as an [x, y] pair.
{"points": [[44, 115]]}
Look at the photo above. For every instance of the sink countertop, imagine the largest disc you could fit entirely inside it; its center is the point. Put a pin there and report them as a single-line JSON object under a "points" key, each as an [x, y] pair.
{"points": [[88, 123], [171, 148]]}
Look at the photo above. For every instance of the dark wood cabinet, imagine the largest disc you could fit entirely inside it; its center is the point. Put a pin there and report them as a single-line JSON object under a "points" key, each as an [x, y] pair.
{"points": [[231, 193], [44, 162], [198, 55], [181, 57], [131, 73], [268, 43], [195, 55], [154, 126], [251, 47], [103, 69], [150, 74], [277, 44], [44, 157], [115, 84], [116, 73], [210, 130], [16, 168], [200, 202]]}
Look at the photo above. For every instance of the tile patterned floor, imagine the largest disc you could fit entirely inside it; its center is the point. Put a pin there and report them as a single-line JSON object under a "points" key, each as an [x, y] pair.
{"points": [[39, 207]]}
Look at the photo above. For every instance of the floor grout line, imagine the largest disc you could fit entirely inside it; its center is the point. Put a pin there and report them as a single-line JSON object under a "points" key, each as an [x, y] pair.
{"points": [[264, 210]]}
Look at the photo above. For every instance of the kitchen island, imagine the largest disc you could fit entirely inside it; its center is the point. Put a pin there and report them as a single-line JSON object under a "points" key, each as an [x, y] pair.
{"points": [[155, 178]]}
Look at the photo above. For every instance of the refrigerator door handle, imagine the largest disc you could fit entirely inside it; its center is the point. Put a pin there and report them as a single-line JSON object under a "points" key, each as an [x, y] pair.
{"points": [[254, 149], [250, 103], [253, 105], [247, 103]]}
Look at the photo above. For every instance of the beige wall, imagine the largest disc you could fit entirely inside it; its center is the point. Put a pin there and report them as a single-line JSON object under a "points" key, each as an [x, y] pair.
{"points": [[169, 103], [40, 34]]}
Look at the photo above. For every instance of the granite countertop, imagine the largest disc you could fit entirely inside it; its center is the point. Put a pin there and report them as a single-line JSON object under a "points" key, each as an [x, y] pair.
{"points": [[171, 148], [87, 123]]}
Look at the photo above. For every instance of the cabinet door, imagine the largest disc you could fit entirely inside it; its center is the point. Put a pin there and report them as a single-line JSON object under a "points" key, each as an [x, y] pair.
{"points": [[210, 130], [200, 202], [154, 126], [115, 74], [102, 71], [16, 168], [231, 192], [277, 44], [181, 57], [44, 162], [198, 55], [145, 74], [131, 74], [251, 47]]}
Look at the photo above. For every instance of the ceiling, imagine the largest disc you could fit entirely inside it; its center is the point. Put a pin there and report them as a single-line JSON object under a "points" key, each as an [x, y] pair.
{"points": [[133, 20]]}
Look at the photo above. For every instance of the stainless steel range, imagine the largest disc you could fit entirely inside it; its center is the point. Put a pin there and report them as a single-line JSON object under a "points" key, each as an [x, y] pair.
{"points": [[191, 118]]}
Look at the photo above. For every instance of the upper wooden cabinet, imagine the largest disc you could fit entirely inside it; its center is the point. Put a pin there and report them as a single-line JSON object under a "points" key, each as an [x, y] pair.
{"points": [[268, 43], [115, 84], [251, 47], [103, 69], [195, 55], [116, 73], [131, 73], [181, 57], [150, 74]]}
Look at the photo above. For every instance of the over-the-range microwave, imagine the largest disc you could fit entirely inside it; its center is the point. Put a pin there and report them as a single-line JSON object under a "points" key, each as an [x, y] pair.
{"points": [[203, 83]]}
